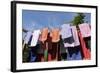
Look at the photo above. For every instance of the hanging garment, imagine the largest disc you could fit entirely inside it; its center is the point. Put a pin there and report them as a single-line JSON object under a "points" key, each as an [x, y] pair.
{"points": [[55, 36], [46, 54], [85, 30], [25, 54], [78, 56], [34, 51], [40, 58], [54, 52], [32, 56], [27, 38], [35, 37], [44, 34], [40, 52], [88, 42], [68, 42], [49, 41], [85, 51], [40, 49], [45, 50], [75, 36], [74, 53], [46, 45], [26, 51], [66, 31], [49, 46], [63, 51], [66, 34]]}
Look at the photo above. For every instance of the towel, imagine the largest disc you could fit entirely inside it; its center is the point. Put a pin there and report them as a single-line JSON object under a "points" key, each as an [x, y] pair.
{"points": [[85, 30], [35, 37], [85, 51], [66, 31], [75, 36], [74, 53], [68, 42], [27, 38]]}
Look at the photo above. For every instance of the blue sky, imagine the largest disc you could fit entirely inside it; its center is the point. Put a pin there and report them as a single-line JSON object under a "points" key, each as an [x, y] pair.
{"points": [[32, 19]]}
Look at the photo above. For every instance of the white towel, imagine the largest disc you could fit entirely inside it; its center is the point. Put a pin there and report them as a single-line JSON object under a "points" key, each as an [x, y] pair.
{"points": [[68, 45], [66, 31], [27, 38], [75, 36], [35, 37]]}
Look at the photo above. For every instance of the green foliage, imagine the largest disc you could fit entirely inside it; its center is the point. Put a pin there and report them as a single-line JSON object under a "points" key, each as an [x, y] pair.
{"points": [[78, 19]]}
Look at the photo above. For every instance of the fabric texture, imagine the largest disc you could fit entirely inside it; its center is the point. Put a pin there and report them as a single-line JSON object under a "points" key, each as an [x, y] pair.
{"points": [[85, 30], [85, 51], [69, 42], [66, 34], [33, 54], [35, 37], [27, 37], [44, 34], [55, 35], [74, 53], [75, 36], [66, 31]]}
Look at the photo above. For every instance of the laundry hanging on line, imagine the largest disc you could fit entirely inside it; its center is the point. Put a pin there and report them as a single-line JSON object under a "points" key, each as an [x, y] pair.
{"points": [[85, 30], [66, 34], [72, 40], [75, 36]]}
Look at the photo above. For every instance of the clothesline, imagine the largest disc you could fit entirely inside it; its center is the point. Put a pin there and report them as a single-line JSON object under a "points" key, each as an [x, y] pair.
{"points": [[68, 36]]}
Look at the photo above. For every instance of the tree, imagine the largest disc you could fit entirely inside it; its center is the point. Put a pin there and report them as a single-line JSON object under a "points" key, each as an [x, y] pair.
{"points": [[78, 19]]}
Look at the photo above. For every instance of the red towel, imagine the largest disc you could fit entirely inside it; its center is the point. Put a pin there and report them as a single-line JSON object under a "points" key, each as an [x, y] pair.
{"points": [[86, 52]]}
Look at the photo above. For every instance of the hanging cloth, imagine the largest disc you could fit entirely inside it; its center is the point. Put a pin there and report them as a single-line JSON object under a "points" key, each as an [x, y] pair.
{"points": [[66, 34], [65, 31], [44, 34], [85, 30], [32, 55], [27, 38], [75, 36], [63, 51], [44, 42], [85, 50], [35, 37], [74, 53], [68, 42], [55, 36]]}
